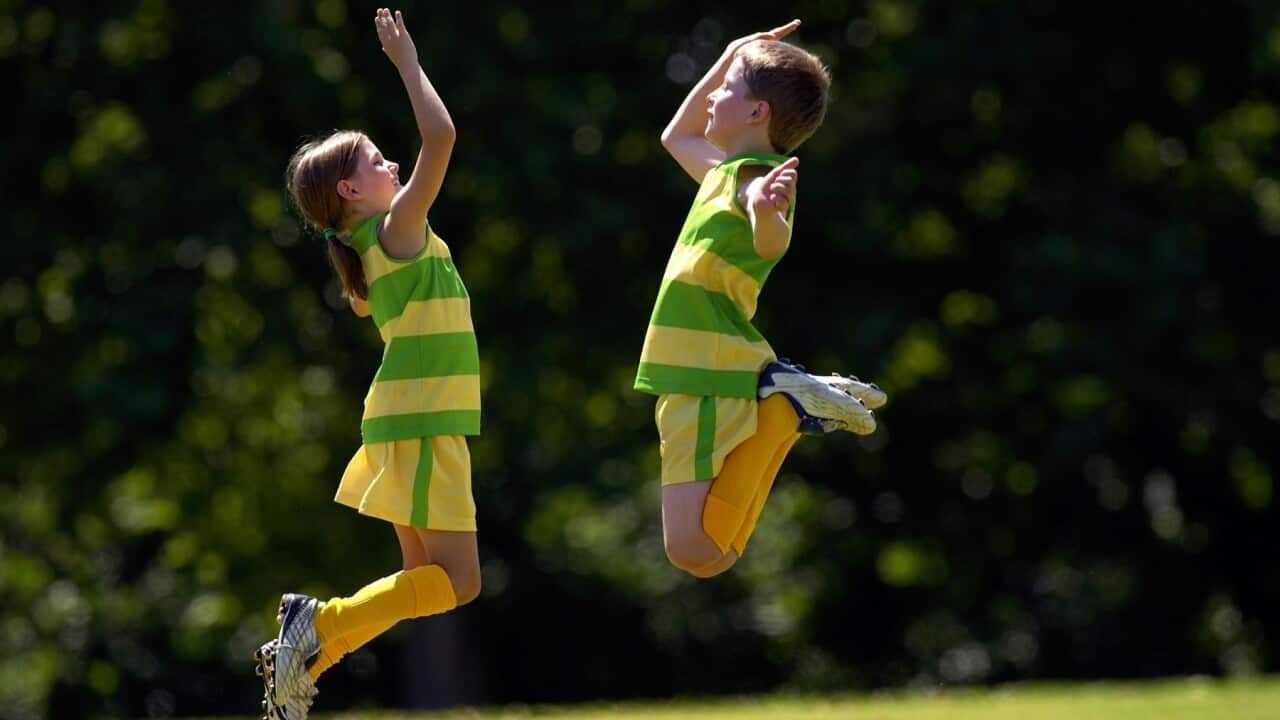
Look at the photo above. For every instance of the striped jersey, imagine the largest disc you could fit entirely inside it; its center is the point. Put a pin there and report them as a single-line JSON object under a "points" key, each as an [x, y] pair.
{"points": [[700, 339], [429, 380]]}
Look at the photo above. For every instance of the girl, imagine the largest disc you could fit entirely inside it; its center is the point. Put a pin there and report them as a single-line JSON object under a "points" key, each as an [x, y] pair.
{"points": [[413, 469]]}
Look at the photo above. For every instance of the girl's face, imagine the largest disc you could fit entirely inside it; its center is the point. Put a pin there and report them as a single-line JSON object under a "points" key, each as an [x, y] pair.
{"points": [[729, 107], [376, 179]]}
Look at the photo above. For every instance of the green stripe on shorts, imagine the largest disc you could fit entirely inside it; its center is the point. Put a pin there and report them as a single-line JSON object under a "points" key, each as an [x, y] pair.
{"points": [[421, 485], [706, 438]]}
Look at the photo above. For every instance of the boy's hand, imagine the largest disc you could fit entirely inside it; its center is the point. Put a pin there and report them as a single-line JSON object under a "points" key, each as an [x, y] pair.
{"points": [[395, 39], [775, 34], [777, 190]]}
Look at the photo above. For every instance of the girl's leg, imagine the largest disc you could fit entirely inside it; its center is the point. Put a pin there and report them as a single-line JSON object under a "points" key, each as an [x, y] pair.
{"points": [[422, 590], [413, 554], [458, 553]]}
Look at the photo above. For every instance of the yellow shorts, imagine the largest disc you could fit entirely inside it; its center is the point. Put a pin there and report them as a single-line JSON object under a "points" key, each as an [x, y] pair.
{"points": [[421, 482], [699, 432]]}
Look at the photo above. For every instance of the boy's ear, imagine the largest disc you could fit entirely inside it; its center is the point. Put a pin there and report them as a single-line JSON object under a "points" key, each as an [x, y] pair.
{"points": [[761, 113], [347, 191]]}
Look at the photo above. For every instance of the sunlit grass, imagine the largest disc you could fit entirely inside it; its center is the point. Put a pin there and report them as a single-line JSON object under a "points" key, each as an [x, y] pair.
{"points": [[1164, 700]]}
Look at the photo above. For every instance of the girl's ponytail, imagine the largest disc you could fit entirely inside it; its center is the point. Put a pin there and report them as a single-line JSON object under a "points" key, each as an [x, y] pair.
{"points": [[313, 176], [347, 262]]}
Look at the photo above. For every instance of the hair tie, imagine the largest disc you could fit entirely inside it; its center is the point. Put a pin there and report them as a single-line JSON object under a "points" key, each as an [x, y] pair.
{"points": [[330, 233]]}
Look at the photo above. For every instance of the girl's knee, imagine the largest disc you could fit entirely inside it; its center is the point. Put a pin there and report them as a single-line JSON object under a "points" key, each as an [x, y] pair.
{"points": [[466, 585]]}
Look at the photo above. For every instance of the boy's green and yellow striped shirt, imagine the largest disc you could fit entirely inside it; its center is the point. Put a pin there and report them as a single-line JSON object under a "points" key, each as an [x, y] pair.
{"points": [[700, 339], [429, 381]]}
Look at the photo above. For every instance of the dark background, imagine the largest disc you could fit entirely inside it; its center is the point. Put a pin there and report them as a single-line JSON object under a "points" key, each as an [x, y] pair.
{"points": [[1048, 229]]}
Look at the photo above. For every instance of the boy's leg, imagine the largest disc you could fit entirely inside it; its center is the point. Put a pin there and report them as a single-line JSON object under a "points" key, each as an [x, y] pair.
{"points": [[762, 494], [687, 544], [729, 500]]}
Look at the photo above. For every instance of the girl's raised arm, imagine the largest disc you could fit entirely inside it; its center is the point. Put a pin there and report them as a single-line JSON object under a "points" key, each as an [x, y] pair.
{"points": [[404, 231]]}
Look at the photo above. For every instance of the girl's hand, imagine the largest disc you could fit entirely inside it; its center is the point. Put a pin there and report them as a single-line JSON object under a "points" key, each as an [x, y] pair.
{"points": [[395, 39], [775, 34], [777, 190]]}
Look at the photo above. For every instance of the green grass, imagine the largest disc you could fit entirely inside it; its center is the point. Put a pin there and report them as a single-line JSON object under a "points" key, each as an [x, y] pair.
{"points": [[1164, 700]]}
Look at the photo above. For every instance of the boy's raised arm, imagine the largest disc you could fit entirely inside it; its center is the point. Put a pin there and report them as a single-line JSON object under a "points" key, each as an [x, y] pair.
{"points": [[684, 137]]}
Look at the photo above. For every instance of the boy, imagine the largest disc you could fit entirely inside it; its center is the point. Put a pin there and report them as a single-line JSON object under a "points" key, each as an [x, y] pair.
{"points": [[721, 449]]}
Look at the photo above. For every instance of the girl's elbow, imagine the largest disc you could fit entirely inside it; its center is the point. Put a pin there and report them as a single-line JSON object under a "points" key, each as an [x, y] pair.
{"points": [[440, 137], [770, 251]]}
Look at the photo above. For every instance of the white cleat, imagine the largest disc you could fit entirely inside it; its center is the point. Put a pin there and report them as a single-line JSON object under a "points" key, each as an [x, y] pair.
{"points": [[297, 643], [822, 407], [869, 393], [265, 658], [300, 697]]}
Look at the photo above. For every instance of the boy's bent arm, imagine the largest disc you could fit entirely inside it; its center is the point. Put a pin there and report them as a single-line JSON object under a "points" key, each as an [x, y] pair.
{"points": [[684, 137], [405, 226], [768, 201]]}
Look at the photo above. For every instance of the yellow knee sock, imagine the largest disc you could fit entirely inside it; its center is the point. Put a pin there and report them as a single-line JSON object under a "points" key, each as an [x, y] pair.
{"points": [[762, 494], [424, 590], [729, 499], [334, 650]]}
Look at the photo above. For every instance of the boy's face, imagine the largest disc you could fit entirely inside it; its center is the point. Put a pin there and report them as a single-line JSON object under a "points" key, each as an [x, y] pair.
{"points": [[730, 109], [377, 178]]}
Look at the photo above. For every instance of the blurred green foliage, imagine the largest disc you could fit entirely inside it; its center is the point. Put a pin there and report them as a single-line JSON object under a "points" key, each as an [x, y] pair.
{"points": [[1047, 230]]}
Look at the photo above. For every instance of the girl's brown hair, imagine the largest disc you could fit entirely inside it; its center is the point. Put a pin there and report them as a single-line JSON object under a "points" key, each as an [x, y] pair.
{"points": [[312, 179]]}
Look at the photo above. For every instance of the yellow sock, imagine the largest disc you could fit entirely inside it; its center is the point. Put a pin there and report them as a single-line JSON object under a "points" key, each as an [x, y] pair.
{"points": [[334, 650], [762, 494], [424, 590], [729, 499]]}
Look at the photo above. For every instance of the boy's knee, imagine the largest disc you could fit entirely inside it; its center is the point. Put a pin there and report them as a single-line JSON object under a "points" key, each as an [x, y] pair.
{"points": [[693, 555], [718, 569]]}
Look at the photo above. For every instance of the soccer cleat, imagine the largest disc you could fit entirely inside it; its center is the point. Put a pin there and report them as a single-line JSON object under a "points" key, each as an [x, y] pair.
{"points": [[822, 407], [264, 659], [869, 393], [300, 697], [297, 642]]}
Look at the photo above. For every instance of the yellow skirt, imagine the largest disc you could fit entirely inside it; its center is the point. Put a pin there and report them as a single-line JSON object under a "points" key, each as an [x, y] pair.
{"points": [[699, 432], [420, 482]]}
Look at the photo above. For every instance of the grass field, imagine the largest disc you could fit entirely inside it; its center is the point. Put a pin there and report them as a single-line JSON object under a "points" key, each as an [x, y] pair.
{"points": [[1163, 700]]}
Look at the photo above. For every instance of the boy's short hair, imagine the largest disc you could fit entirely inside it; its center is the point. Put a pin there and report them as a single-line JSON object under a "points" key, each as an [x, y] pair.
{"points": [[794, 82]]}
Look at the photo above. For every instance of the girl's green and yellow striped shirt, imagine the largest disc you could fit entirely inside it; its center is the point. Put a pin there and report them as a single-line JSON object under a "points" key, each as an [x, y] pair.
{"points": [[700, 339], [429, 381]]}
